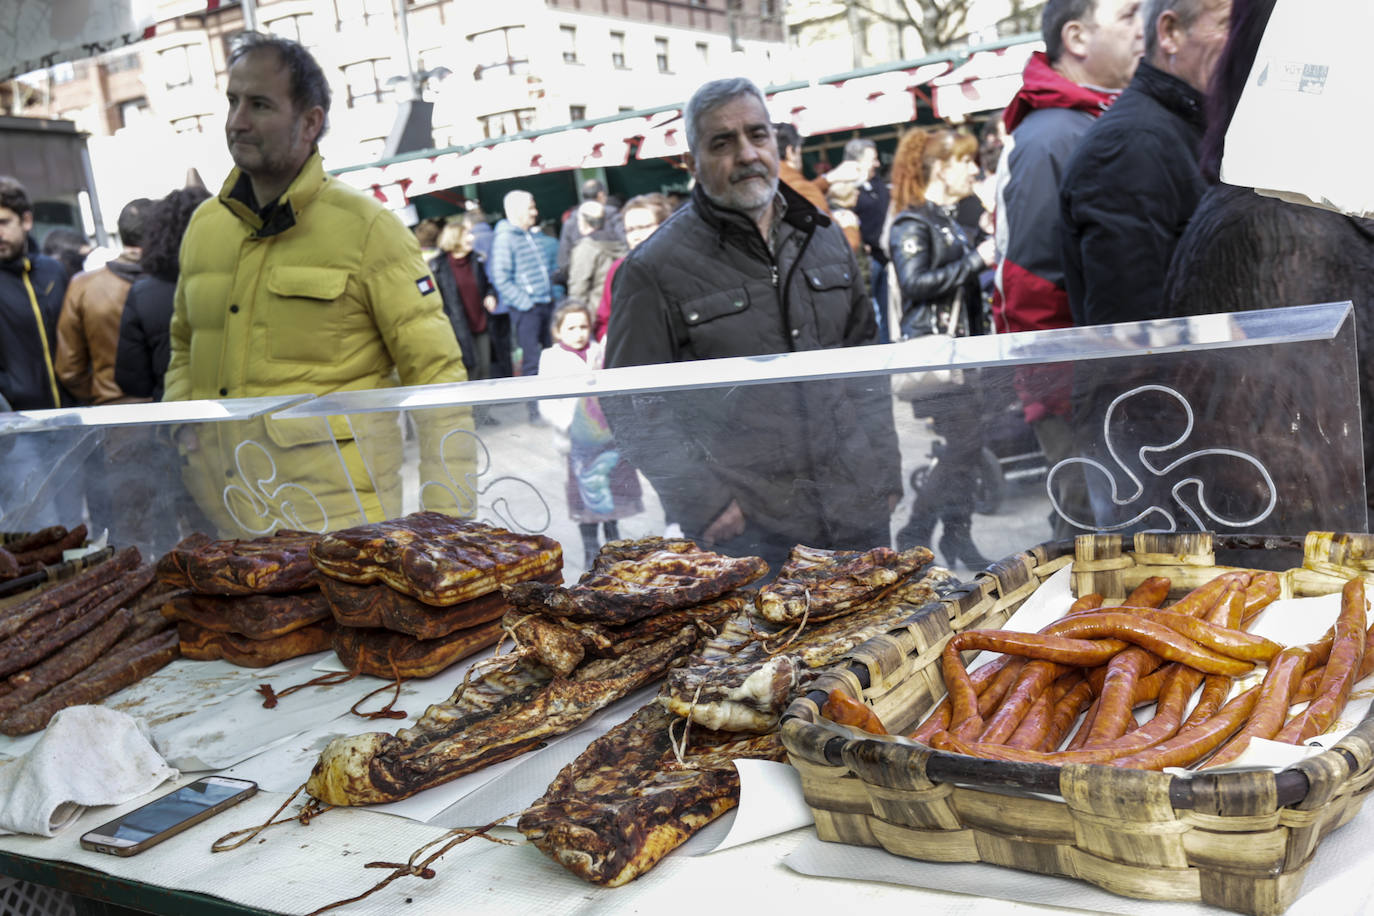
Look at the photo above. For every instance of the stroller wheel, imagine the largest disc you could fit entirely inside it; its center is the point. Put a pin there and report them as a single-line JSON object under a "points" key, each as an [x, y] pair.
{"points": [[919, 477], [989, 486]]}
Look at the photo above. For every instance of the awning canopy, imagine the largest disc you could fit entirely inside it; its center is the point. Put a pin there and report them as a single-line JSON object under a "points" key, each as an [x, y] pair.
{"points": [[986, 79]]}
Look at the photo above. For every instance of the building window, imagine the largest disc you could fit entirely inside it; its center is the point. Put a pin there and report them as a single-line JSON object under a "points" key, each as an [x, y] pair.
{"points": [[577, 112], [175, 64], [661, 53], [195, 124], [122, 63], [768, 9], [133, 111], [365, 83], [499, 49], [298, 27], [507, 122], [364, 13], [618, 50], [568, 35]]}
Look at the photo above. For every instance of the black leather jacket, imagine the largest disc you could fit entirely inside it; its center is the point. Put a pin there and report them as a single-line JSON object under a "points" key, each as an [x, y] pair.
{"points": [[936, 264]]}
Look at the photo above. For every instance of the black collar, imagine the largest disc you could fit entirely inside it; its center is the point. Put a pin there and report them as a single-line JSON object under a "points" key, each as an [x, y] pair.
{"points": [[1171, 92], [277, 216]]}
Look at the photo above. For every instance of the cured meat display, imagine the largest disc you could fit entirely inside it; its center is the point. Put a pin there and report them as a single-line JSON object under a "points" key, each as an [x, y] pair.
{"points": [[388, 632], [628, 800], [276, 563], [250, 616], [638, 792], [1093, 667], [252, 603], [205, 645], [634, 579], [440, 559], [546, 687], [22, 554], [821, 584], [385, 653], [383, 606], [81, 640]]}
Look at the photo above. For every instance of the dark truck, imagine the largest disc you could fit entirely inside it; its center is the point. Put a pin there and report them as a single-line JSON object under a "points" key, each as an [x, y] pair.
{"points": [[49, 158]]}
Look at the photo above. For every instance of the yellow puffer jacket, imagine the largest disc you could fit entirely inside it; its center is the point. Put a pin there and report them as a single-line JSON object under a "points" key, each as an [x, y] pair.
{"points": [[329, 294]]}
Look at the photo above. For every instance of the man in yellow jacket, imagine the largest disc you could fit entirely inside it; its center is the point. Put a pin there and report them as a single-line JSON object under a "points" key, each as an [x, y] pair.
{"points": [[294, 283]]}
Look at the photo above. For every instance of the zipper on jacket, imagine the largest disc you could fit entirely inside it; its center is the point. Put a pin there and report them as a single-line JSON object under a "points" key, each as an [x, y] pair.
{"points": [[43, 339], [774, 268], [787, 288]]}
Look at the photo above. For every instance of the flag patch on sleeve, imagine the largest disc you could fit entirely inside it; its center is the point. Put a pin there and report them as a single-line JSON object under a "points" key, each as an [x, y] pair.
{"points": [[425, 285]]}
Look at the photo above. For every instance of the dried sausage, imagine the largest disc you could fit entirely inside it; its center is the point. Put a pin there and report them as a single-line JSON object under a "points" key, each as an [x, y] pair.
{"points": [[1159, 639], [842, 709], [1347, 655], [1276, 693]]}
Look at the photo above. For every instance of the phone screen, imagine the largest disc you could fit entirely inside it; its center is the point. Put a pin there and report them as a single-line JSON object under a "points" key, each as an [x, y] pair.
{"points": [[170, 810]]}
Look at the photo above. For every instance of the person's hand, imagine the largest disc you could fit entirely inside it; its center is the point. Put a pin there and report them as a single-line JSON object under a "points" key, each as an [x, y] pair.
{"points": [[490, 303], [729, 524], [987, 250], [188, 440]]}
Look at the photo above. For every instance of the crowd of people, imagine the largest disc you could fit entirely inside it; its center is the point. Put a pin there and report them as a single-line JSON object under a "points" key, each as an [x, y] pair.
{"points": [[1093, 198]]}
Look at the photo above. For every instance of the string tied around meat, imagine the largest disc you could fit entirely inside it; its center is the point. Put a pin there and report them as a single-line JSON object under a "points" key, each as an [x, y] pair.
{"points": [[309, 811], [270, 696], [801, 625], [421, 867], [508, 630], [681, 752], [386, 712]]}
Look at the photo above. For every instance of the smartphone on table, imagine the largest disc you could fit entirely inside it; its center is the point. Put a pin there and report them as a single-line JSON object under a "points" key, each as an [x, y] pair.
{"points": [[144, 827]]}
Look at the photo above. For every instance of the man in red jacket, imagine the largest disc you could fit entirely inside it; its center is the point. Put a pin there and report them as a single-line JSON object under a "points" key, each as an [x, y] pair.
{"points": [[1091, 51]]}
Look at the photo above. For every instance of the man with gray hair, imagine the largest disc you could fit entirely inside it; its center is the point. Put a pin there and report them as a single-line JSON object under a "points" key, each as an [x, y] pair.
{"points": [[523, 281], [593, 190], [746, 268], [1134, 181]]}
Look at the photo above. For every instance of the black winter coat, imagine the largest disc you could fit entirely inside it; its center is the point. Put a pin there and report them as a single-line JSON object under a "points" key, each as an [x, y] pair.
{"points": [[810, 462], [1127, 195], [145, 344], [31, 286], [936, 266], [453, 303]]}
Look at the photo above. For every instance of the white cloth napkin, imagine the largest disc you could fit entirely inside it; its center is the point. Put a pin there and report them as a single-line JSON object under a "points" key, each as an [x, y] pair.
{"points": [[89, 755]]}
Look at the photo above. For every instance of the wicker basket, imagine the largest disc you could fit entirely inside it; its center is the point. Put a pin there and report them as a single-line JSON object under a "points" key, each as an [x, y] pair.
{"points": [[1240, 840]]}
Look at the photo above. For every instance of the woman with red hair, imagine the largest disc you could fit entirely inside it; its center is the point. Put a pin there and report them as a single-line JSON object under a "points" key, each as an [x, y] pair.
{"points": [[937, 270]]}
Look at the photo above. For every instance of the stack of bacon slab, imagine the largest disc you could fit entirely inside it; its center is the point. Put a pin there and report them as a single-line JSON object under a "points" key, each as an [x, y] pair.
{"points": [[642, 607], [648, 784], [413, 595], [252, 603], [80, 640], [29, 553]]}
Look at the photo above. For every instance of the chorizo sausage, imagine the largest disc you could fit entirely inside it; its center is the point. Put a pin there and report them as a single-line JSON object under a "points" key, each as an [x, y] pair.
{"points": [[1147, 634], [1153, 592], [1275, 695], [1192, 744], [842, 709], [1347, 655]]}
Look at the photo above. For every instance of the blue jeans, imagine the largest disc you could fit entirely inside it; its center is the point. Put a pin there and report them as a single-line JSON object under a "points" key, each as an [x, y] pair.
{"points": [[533, 335], [879, 274]]}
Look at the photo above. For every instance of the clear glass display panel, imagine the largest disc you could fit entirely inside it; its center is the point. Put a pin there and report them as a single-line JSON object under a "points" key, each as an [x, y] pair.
{"points": [[1247, 422]]}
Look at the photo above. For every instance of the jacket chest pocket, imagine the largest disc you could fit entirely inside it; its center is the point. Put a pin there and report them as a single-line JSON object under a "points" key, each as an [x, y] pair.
{"points": [[828, 291], [718, 324], [303, 316]]}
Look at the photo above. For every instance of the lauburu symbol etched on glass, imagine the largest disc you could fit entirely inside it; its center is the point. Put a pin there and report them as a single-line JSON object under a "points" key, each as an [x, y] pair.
{"points": [[507, 501], [1180, 475], [258, 506]]}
